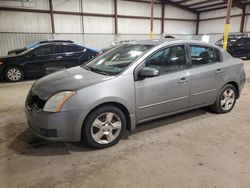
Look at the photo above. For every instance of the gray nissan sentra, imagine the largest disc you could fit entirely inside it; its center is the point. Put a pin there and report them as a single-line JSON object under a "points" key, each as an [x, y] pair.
{"points": [[131, 84]]}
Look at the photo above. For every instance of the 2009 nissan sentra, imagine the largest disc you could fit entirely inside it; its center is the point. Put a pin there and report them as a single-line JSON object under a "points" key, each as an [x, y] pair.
{"points": [[131, 84]]}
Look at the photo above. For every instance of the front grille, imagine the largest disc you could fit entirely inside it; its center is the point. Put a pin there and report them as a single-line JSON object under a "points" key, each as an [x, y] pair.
{"points": [[34, 101]]}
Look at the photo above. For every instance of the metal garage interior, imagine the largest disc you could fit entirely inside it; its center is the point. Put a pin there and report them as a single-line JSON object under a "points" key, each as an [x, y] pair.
{"points": [[193, 149]]}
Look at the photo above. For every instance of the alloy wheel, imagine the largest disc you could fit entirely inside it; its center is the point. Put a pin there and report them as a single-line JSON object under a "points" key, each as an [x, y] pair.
{"points": [[14, 74], [106, 128], [228, 99]]}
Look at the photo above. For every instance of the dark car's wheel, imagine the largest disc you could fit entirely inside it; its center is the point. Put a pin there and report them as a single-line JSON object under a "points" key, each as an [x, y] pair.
{"points": [[226, 99], [104, 127], [13, 74]]}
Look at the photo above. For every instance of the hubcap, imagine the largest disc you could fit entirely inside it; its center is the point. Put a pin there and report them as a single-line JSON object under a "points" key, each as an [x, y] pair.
{"points": [[228, 99], [106, 128], [14, 74]]}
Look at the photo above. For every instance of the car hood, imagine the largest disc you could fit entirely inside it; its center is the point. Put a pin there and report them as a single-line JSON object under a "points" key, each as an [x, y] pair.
{"points": [[66, 80]]}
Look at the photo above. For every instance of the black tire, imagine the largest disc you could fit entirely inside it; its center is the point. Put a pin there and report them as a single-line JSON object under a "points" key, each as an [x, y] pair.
{"points": [[217, 106], [87, 126], [18, 70]]}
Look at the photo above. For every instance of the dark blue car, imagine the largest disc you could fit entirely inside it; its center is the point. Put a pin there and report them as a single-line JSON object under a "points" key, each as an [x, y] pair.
{"points": [[36, 61]]}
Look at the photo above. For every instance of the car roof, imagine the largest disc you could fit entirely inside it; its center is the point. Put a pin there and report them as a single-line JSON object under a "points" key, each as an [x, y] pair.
{"points": [[166, 41]]}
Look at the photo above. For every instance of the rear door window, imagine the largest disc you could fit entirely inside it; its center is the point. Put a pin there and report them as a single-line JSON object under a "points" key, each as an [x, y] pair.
{"points": [[202, 55], [69, 48]]}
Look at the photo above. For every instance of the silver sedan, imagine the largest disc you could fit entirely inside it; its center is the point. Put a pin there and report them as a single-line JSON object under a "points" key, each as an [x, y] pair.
{"points": [[131, 84]]}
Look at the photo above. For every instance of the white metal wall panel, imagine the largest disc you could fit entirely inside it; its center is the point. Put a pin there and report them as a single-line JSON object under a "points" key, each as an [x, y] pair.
{"points": [[217, 26], [34, 4], [98, 25], [157, 26], [218, 13], [67, 24], [24, 22], [174, 12], [133, 8], [133, 26], [67, 5], [179, 27], [98, 6], [157, 10]]}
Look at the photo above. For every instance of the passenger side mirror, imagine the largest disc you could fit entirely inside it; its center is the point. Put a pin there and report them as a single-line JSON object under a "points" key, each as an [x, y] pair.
{"points": [[149, 72]]}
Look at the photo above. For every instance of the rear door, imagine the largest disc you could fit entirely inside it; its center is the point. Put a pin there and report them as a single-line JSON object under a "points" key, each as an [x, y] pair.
{"points": [[206, 74]]}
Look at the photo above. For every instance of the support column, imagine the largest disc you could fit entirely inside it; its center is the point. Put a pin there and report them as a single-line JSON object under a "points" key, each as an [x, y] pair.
{"points": [[197, 24], [116, 17], [227, 24], [51, 16], [162, 17], [151, 20], [242, 21]]}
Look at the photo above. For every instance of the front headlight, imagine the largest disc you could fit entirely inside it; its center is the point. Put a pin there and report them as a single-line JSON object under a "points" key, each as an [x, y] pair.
{"points": [[56, 102]]}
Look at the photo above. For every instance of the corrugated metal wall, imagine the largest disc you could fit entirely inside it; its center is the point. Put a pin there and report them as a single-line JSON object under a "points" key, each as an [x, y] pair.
{"points": [[10, 41]]}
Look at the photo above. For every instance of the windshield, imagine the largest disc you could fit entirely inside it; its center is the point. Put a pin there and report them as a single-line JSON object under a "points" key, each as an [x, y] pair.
{"points": [[118, 59]]}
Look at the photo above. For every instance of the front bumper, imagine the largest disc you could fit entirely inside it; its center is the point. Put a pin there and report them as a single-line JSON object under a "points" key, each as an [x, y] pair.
{"points": [[62, 126]]}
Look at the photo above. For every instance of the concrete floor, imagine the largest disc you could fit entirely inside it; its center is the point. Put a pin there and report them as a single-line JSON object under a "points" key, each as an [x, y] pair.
{"points": [[194, 149]]}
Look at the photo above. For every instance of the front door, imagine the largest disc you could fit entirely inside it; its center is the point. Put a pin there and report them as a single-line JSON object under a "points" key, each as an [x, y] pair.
{"points": [[168, 92]]}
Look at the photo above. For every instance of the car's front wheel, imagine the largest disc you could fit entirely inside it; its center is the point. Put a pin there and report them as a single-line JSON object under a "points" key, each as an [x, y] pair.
{"points": [[13, 74], [226, 99], [104, 127]]}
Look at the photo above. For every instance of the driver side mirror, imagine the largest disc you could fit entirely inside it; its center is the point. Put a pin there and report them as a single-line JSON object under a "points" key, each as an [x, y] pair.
{"points": [[149, 72]]}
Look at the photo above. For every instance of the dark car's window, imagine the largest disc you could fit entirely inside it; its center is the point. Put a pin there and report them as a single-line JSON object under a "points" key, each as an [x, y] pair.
{"points": [[239, 41], [217, 55], [246, 41], [69, 48], [202, 55], [116, 60], [168, 60], [44, 50]]}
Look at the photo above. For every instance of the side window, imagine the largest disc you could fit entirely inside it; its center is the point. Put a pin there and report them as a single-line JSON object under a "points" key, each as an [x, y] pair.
{"points": [[201, 55], [168, 60], [246, 41], [68, 48], [45, 50], [217, 55]]}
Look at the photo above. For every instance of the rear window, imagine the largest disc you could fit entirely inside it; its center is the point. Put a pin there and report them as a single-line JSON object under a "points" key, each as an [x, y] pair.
{"points": [[69, 48]]}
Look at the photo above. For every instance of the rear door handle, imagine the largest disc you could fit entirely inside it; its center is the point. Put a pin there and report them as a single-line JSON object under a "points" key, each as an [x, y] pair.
{"points": [[183, 80], [218, 71]]}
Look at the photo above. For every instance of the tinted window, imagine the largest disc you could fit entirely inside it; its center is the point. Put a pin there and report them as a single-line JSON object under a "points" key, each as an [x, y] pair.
{"points": [[246, 41], [69, 48], [168, 60], [45, 50], [202, 55]]}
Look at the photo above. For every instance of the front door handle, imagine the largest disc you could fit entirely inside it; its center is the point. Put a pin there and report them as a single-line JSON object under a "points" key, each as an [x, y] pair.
{"points": [[59, 57], [183, 80], [218, 71]]}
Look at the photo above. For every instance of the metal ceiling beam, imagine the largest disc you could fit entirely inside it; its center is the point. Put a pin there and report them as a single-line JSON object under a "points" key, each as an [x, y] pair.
{"points": [[179, 6], [210, 5], [236, 3]]}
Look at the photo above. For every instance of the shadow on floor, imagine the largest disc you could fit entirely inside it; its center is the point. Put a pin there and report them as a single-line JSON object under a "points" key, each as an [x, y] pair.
{"points": [[26, 143]]}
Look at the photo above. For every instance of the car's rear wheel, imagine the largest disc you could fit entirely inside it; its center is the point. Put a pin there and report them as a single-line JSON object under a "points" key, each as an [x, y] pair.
{"points": [[226, 99], [13, 74], [104, 127]]}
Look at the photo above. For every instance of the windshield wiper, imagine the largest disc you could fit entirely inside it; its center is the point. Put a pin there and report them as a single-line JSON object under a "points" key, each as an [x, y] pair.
{"points": [[95, 70]]}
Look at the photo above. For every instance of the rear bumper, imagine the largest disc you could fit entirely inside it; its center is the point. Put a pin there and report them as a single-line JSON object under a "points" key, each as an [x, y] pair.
{"points": [[62, 126]]}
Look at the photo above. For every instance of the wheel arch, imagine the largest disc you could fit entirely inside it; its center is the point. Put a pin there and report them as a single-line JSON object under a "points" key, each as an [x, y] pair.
{"points": [[235, 84]]}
